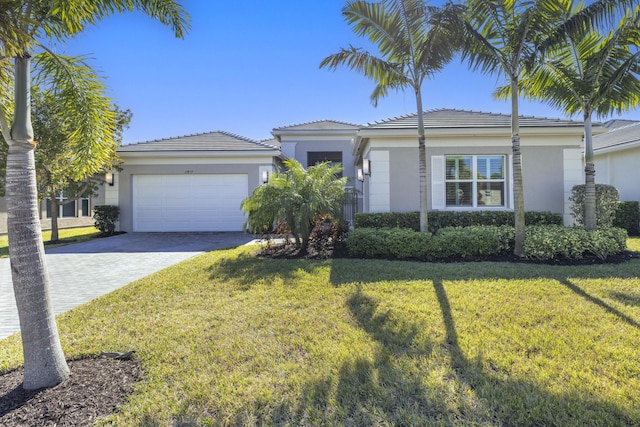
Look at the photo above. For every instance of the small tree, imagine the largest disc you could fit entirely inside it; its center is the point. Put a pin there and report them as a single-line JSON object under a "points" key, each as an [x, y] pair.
{"points": [[606, 204], [57, 168], [296, 199]]}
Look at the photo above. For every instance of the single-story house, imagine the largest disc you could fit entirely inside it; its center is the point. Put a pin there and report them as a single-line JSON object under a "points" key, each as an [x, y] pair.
{"points": [[197, 182], [617, 158], [469, 162]]}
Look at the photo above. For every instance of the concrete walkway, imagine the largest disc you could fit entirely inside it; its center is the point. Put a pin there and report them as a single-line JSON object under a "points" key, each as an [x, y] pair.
{"points": [[84, 271]]}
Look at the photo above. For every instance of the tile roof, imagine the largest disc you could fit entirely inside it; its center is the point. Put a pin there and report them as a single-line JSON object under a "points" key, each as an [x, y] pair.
{"points": [[319, 125], [450, 118], [618, 137], [616, 123], [209, 141]]}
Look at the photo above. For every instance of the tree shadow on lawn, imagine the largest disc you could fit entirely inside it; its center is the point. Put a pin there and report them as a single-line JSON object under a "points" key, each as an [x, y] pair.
{"points": [[246, 270], [626, 297], [376, 391], [381, 391], [513, 401]]}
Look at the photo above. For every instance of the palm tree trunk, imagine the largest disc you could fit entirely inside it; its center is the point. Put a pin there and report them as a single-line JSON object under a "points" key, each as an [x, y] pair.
{"points": [[422, 165], [589, 177], [518, 187], [44, 361]]}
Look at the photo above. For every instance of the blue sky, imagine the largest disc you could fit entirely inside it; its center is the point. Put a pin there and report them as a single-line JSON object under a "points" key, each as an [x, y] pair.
{"points": [[248, 67]]}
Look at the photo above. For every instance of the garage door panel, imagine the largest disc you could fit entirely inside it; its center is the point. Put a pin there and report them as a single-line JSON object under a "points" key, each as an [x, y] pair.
{"points": [[189, 202]]}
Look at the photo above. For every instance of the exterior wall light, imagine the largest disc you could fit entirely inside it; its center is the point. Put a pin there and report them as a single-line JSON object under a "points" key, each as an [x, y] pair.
{"points": [[265, 177], [110, 178], [366, 166], [360, 175]]}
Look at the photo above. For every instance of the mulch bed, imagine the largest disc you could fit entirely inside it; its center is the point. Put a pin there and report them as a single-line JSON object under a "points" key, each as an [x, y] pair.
{"points": [[96, 387]]}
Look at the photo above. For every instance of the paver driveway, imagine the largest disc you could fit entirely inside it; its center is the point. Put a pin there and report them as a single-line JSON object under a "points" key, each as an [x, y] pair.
{"points": [[84, 271]]}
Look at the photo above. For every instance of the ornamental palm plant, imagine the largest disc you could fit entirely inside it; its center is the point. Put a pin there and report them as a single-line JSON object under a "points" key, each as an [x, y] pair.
{"points": [[297, 198], [25, 27], [414, 42], [500, 36], [588, 71]]}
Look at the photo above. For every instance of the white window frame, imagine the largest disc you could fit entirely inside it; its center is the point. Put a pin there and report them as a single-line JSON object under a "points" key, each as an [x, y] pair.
{"points": [[61, 198], [475, 181]]}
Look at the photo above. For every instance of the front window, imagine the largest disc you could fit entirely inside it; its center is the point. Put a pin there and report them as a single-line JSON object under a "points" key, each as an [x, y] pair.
{"points": [[316, 157], [475, 181]]}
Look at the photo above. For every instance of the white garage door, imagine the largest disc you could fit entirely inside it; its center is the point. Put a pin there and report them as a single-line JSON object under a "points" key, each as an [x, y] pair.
{"points": [[188, 202]]}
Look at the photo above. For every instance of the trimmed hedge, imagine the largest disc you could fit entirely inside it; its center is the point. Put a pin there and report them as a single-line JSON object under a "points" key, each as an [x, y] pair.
{"points": [[627, 216], [606, 203], [443, 219], [543, 242]]}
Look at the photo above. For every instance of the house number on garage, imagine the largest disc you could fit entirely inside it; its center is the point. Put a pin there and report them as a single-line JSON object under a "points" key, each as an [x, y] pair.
{"points": [[188, 171]]}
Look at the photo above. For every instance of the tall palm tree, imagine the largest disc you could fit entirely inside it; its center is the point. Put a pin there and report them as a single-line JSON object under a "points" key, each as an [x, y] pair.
{"points": [[589, 72], [414, 41], [500, 36], [24, 26]]}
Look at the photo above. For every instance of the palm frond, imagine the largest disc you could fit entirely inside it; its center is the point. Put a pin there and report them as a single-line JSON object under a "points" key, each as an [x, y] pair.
{"points": [[598, 14], [82, 94], [73, 16]]}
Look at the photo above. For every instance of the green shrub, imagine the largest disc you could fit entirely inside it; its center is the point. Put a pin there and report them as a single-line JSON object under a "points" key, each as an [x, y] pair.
{"points": [[389, 243], [543, 242], [606, 204], [475, 241], [399, 243], [627, 216], [444, 219], [409, 220], [366, 243], [105, 217], [553, 242]]}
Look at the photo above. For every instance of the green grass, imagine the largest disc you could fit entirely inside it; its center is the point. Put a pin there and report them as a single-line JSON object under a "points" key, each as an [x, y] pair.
{"points": [[230, 339], [80, 234]]}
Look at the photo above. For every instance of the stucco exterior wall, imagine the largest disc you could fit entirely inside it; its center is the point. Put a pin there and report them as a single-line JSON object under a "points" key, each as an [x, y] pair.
{"points": [[543, 168], [148, 166], [304, 146], [620, 169]]}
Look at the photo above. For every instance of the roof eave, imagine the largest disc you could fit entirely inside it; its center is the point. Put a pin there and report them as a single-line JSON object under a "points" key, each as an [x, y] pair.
{"points": [[199, 153], [617, 147]]}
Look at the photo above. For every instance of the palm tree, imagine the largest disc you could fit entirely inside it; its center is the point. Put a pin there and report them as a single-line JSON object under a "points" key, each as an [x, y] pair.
{"points": [[500, 36], [414, 41], [23, 25], [297, 199], [590, 72]]}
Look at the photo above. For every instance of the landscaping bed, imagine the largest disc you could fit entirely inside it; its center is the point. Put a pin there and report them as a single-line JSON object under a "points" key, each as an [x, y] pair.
{"points": [[96, 387]]}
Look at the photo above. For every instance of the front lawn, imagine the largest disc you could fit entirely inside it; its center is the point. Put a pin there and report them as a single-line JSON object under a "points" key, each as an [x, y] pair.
{"points": [[230, 339], [65, 235]]}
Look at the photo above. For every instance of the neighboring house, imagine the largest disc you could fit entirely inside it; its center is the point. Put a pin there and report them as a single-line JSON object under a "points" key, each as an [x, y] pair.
{"points": [[75, 214], [617, 158], [469, 162], [197, 182]]}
